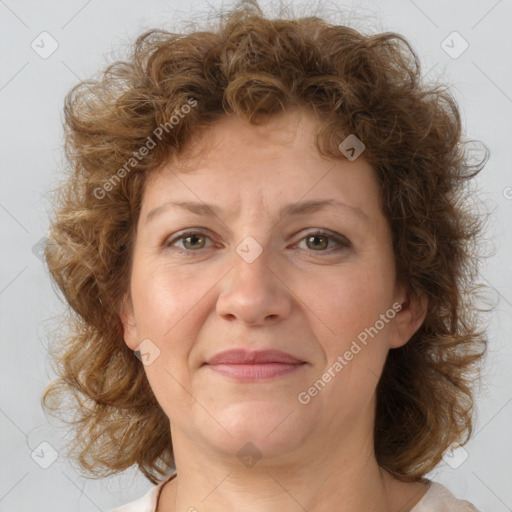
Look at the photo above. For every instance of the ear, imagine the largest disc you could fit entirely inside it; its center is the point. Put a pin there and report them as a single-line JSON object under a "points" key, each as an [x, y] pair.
{"points": [[127, 316], [410, 317]]}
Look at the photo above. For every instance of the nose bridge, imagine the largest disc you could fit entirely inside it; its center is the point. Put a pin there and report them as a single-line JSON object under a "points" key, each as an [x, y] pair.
{"points": [[253, 293], [252, 259]]}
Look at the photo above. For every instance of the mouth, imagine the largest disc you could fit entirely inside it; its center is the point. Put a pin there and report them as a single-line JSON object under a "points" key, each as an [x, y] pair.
{"points": [[256, 365], [256, 371]]}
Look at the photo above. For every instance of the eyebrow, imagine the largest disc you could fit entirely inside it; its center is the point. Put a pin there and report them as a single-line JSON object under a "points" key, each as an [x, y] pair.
{"points": [[293, 209]]}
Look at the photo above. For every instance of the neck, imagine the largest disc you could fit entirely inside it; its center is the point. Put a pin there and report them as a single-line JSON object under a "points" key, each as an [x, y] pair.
{"points": [[342, 476]]}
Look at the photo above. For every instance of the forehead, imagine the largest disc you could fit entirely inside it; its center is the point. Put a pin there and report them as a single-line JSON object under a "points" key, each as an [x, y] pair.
{"points": [[232, 140], [261, 166]]}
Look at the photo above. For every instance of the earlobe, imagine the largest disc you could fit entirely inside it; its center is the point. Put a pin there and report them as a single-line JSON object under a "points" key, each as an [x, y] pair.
{"points": [[127, 316], [409, 319]]}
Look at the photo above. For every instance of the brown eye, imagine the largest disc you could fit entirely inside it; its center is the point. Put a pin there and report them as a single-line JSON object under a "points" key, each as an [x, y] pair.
{"points": [[322, 241], [194, 241], [191, 241], [317, 242]]}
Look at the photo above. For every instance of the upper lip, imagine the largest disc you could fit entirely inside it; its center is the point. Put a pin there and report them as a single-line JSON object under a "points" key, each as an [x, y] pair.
{"points": [[242, 356]]}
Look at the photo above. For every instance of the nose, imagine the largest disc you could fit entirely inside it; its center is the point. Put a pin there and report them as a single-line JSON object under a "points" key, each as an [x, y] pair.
{"points": [[253, 293]]}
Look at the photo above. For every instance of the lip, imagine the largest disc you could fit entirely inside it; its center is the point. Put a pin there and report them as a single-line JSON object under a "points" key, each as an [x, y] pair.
{"points": [[241, 356], [254, 365]]}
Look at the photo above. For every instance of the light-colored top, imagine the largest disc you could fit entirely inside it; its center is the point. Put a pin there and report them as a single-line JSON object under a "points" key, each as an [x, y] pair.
{"points": [[437, 499]]}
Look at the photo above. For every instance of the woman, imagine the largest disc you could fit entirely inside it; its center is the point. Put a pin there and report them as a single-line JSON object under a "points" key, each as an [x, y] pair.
{"points": [[272, 217]]}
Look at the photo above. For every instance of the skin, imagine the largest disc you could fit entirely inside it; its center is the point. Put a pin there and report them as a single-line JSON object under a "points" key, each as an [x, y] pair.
{"points": [[310, 297]]}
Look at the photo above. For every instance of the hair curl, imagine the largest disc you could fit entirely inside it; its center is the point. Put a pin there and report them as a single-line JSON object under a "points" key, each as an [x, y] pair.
{"points": [[251, 66]]}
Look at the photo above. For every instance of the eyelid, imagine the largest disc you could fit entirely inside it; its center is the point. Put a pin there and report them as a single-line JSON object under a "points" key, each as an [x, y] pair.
{"points": [[185, 233], [341, 240]]}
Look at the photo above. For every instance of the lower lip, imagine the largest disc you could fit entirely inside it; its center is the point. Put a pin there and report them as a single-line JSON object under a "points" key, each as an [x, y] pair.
{"points": [[255, 371]]}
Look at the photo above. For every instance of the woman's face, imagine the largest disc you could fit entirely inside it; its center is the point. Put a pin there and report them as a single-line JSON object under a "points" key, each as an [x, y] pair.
{"points": [[255, 275]]}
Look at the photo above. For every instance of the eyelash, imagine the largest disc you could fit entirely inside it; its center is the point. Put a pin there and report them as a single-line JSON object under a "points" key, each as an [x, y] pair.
{"points": [[341, 241]]}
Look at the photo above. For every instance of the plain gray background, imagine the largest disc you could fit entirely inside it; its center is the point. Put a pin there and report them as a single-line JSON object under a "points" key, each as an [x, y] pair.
{"points": [[89, 35]]}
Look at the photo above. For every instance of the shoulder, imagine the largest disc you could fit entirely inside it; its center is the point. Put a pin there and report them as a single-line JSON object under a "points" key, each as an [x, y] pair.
{"points": [[439, 499], [146, 503]]}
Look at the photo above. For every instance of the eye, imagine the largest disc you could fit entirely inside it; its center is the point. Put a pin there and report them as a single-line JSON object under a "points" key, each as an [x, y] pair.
{"points": [[192, 241], [319, 241]]}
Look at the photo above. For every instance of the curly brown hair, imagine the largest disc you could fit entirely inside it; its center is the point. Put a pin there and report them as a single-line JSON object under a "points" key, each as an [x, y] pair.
{"points": [[252, 66]]}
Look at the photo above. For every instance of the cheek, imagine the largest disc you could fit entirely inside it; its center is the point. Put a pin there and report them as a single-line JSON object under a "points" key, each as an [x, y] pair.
{"points": [[171, 305], [355, 344], [168, 308], [164, 297], [348, 303]]}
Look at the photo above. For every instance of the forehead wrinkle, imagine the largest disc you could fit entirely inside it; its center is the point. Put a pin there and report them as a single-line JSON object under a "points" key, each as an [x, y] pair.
{"points": [[291, 209]]}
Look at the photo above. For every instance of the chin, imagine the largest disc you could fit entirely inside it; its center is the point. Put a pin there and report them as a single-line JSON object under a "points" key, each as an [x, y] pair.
{"points": [[267, 428]]}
